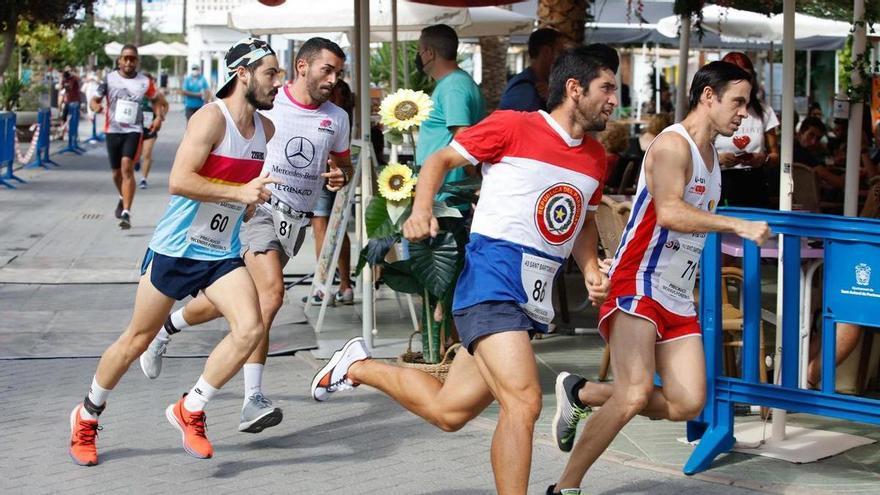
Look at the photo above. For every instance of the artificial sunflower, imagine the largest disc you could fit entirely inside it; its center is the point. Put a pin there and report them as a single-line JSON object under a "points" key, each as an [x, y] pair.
{"points": [[404, 109], [396, 182]]}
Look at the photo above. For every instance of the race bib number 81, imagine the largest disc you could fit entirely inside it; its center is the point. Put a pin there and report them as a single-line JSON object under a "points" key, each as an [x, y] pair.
{"points": [[537, 281]]}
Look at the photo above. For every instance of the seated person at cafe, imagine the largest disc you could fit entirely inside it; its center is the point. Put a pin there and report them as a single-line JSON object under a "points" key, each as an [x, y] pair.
{"points": [[615, 140], [848, 337]]}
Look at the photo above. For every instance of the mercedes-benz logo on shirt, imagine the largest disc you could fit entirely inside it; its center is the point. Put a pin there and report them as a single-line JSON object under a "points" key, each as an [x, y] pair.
{"points": [[300, 152]]}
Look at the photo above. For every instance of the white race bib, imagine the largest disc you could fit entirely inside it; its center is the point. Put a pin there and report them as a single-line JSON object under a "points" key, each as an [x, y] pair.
{"points": [[287, 230], [126, 112], [678, 279], [148, 119], [537, 281], [214, 224]]}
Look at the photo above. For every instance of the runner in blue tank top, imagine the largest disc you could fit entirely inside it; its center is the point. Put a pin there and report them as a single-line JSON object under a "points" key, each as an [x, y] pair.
{"points": [[215, 183]]}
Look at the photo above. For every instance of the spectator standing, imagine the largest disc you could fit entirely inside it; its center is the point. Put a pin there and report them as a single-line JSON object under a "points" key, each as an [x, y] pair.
{"points": [[752, 146], [458, 103], [527, 91], [195, 91]]}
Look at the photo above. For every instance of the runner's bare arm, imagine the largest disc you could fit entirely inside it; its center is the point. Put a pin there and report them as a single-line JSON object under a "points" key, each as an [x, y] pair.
{"points": [[421, 222], [205, 130], [586, 254], [160, 109], [668, 167]]}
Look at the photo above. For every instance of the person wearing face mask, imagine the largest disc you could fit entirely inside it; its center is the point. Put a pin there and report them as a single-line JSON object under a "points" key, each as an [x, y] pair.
{"points": [[194, 91], [458, 103]]}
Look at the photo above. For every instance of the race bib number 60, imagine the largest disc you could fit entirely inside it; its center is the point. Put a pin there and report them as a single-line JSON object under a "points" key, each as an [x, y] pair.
{"points": [[214, 225], [537, 281]]}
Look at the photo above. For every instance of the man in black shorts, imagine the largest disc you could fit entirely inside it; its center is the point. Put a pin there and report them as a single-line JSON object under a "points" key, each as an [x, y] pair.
{"points": [[124, 90]]}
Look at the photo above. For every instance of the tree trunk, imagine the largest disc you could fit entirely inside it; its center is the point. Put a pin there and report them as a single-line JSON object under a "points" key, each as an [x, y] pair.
{"points": [[138, 22], [8, 37], [493, 50], [566, 16]]}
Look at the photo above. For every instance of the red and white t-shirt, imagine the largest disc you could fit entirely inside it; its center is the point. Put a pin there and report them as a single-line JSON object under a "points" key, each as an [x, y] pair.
{"points": [[124, 98], [538, 185], [305, 136]]}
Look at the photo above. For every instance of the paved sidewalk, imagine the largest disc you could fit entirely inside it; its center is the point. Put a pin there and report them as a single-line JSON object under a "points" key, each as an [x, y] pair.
{"points": [[359, 442]]}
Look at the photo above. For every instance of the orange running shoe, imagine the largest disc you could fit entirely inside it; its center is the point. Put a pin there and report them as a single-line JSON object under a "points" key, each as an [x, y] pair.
{"points": [[82, 438], [192, 427]]}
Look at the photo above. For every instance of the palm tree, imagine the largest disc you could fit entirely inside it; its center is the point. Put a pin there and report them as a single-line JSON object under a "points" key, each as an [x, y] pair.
{"points": [[566, 16], [493, 50], [138, 22]]}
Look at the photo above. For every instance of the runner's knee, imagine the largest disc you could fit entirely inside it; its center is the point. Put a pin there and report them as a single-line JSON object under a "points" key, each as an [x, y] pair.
{"points": [[523, 405], [272, 298], [247, 334], [635, 398], [450, 422], [688, 407]]}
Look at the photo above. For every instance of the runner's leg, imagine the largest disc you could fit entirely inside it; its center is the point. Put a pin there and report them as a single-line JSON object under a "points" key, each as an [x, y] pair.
{"points": [[236, 298], [265, 269], [632, 361], [447, 405], [147, 157], [150, 308], [507, 363]]}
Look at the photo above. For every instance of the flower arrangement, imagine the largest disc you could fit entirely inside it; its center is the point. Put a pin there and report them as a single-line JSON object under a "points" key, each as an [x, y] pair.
{"points": [[433, 265]]}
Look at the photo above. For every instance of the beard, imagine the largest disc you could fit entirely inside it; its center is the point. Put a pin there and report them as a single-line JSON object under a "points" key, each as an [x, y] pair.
{"points": [[316, 91], [251, 96]]}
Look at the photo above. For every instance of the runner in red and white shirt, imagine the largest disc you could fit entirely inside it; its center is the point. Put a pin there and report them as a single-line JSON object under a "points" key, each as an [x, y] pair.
{"points": [[542, 179], [648, 318], [309, 151]]}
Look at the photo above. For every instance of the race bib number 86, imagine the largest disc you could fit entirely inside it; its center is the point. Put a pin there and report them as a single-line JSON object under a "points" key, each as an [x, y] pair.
{"points": [[537, 281]]}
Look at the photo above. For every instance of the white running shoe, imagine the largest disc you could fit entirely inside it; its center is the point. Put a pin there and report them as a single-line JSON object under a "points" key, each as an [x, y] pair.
{"points": [[333, 377], [151, 359]]}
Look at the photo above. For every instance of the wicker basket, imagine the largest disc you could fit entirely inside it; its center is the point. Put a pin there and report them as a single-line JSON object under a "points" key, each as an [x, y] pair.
{"points": [[410, 359]]}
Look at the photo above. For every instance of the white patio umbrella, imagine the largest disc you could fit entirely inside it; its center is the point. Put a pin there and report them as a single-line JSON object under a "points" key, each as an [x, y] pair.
{"points": [[338, 15], [113, 48]]}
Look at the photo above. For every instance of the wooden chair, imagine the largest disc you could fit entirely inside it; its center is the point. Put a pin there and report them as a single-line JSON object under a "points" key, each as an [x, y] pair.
{"points": [[805, 190], [630, 177], [732, 324]]}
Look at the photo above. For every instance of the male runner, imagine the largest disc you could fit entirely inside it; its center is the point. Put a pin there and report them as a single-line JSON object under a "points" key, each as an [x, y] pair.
{"points": [[649, 319], [124, 89], [216, 173], [542, 182], [310, 129]]}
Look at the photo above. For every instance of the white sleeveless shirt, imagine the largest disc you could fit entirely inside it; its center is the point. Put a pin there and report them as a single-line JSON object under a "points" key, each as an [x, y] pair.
{"points": [[659, 263]]}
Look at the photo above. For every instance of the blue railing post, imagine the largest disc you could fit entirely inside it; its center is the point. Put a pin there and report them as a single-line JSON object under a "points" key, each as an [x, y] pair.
{"points": [[7, 150], [41, 159], [95, 137], [73, 131], [850, 294]]}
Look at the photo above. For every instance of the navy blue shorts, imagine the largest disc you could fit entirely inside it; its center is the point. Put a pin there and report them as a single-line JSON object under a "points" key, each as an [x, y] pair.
{"points": [[490, 317], [181, 277]]}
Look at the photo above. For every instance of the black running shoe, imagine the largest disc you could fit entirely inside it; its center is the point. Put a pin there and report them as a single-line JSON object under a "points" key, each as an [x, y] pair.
{"points": [[119, 209], [125, 221]]}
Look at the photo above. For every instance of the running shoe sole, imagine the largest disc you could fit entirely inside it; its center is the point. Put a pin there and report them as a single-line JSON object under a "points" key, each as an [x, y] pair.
{"points": [[268, 420], [125, 224], [72, 426], [169, 414], [560, 397], [334, 360]]}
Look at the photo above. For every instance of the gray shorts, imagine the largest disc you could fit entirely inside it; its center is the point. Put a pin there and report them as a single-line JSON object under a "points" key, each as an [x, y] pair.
{"points": [[325, 203], [258, 236]]}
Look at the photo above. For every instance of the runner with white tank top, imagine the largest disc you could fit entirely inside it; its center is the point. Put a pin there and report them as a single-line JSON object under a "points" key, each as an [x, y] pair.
{"points": [[657, 262]]}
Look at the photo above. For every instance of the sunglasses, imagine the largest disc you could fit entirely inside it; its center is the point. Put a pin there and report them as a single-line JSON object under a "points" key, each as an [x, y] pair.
{"points": [[129, 58]]}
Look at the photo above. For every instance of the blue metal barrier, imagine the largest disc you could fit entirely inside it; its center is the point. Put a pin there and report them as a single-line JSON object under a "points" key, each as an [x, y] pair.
{"points": [[850, 295], [41, 154], [7, 150], [73, 131], [95, 137]]}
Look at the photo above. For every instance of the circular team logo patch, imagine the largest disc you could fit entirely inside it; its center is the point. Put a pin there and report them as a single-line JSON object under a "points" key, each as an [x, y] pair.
{"points": [[558, 212]]}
